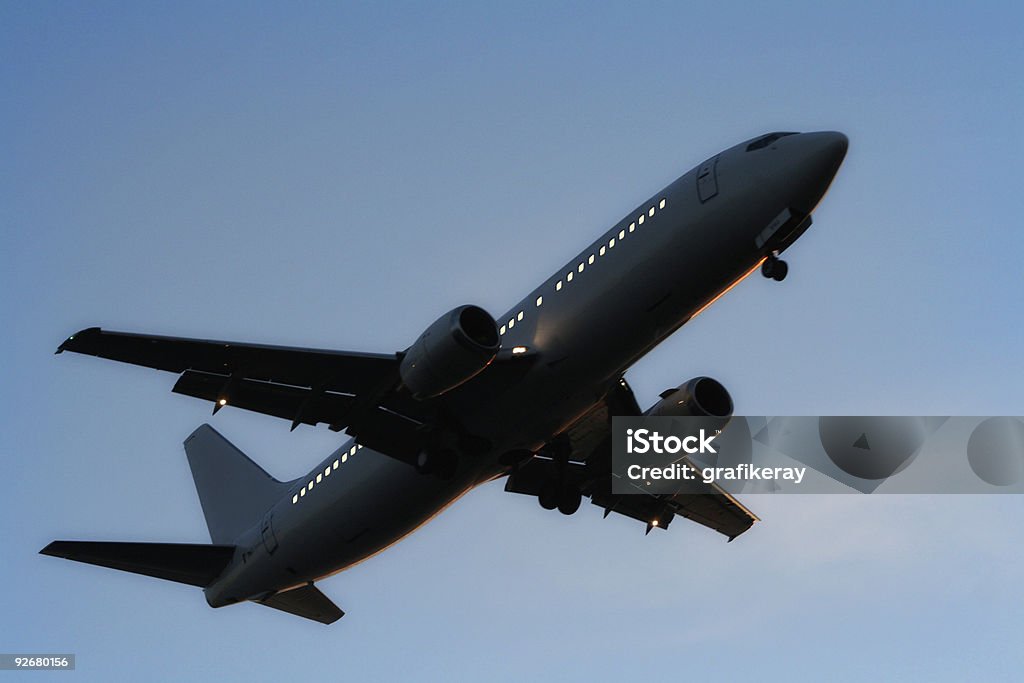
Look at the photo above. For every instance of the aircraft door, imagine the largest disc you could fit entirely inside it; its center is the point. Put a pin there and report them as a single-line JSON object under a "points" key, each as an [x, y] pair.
{"points": [[267, 532], [707, 179]]}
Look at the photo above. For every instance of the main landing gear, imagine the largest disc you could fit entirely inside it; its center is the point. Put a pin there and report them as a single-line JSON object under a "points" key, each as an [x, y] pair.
{"points": [[565, 497], [557, 491], [775, 268]]}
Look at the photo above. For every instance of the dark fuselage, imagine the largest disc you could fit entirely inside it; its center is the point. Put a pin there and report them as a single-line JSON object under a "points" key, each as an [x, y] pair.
{"points": [[579, 331]]}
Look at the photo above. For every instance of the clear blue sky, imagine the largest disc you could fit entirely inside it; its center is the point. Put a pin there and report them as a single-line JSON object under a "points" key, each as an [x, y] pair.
{"points": [[338, 176]]}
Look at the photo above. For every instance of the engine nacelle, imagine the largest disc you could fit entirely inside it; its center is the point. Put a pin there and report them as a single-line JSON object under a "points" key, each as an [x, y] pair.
{"points": [[698, 397], [454, 349]]}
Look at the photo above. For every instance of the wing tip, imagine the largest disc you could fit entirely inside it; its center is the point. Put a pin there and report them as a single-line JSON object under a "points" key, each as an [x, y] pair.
{"points": [[71, 342], [748, 527], [53, 549]]}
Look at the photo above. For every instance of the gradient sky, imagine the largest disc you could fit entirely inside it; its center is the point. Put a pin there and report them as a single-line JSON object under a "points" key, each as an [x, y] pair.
{"points": [[338, 176]]}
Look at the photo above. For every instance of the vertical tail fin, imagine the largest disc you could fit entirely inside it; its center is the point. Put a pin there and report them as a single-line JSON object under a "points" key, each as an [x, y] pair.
{"points": [[233, 490]]}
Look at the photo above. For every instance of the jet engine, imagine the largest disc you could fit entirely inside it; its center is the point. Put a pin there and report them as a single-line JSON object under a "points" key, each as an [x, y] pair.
{"points": [[454, 349], [698, 397]]}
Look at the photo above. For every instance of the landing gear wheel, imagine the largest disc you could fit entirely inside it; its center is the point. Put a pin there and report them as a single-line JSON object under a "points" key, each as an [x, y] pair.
{"points": [[775, 268], [549, 495], [569, 500]]}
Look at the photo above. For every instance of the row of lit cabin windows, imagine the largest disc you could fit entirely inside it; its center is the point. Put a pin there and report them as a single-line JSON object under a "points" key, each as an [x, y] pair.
{"points": [[518, 317], [326, 473]]}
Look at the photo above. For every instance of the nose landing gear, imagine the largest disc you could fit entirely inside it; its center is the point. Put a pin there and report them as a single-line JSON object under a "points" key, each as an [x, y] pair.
{"points": [[774, 268]]}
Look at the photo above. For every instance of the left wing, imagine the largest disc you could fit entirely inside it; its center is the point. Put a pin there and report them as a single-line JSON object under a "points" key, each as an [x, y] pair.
{"points": [[306, 386]]}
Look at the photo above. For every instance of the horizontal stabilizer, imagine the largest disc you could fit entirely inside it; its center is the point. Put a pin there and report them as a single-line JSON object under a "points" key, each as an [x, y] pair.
{"points": [[196, 565], [306, 601]]}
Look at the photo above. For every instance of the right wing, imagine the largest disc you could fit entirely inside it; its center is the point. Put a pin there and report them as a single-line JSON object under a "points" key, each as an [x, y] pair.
{"points": [[306, 386], [707, 504], [589, 468]]}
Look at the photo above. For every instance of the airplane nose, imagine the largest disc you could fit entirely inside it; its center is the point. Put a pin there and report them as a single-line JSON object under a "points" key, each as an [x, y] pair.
{"points": [[818, 157], [832, 146]]}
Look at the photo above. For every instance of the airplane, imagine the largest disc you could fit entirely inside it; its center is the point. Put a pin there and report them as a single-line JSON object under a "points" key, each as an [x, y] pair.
{"points": [[528, 396]]}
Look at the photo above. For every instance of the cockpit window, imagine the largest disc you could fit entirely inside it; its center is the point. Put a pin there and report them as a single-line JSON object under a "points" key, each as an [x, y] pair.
{"points": [[766, 140]]}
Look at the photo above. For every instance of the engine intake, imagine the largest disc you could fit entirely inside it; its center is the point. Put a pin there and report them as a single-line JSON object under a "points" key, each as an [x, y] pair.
{"points": [[698, 397], [453, 350]]}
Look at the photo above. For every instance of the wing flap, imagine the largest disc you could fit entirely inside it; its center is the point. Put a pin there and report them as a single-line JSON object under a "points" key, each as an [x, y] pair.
{"points": [[717, 511], [299, 404]]}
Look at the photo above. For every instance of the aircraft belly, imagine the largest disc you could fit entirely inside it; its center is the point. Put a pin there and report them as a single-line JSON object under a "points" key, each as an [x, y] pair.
{"points": [[361, 509]]}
